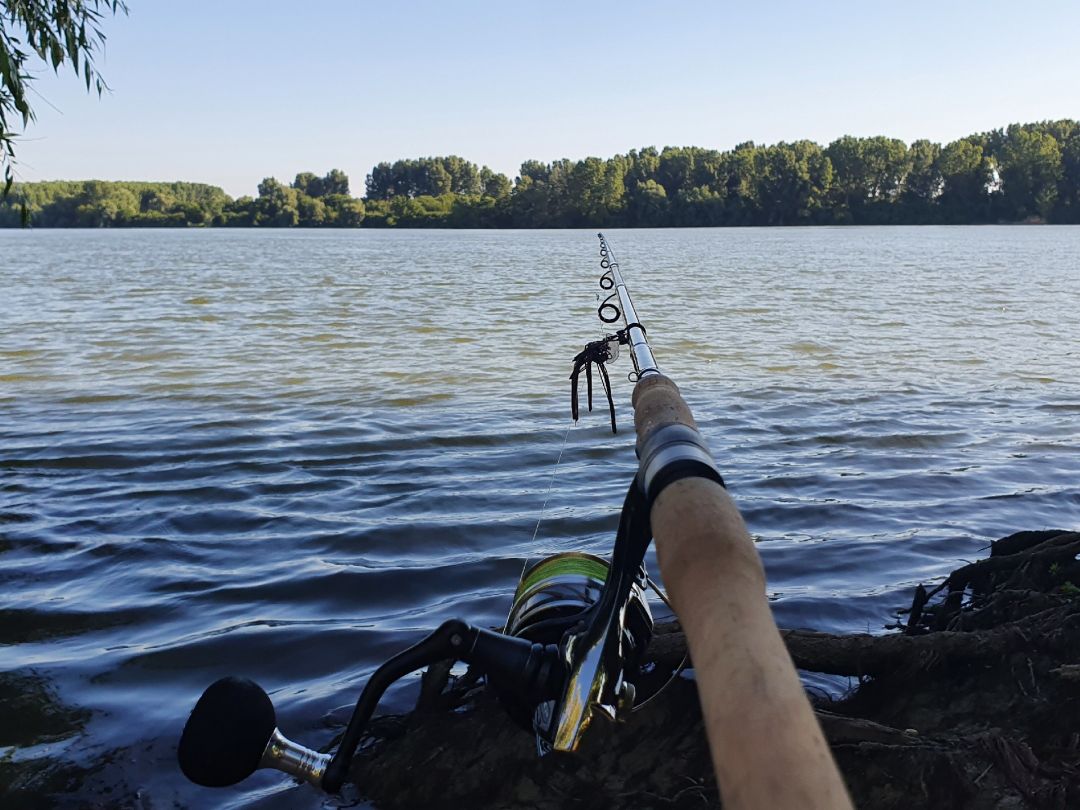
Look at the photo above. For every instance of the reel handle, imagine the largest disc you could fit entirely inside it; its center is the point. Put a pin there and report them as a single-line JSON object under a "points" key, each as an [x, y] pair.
{"points": [[225, 735], [232, 732]]}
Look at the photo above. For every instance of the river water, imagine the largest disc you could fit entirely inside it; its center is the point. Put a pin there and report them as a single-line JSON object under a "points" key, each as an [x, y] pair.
{"points": [[288, 454]]}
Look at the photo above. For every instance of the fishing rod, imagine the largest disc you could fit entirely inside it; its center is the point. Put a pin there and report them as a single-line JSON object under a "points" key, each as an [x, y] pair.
{"points": [[578, 626]]}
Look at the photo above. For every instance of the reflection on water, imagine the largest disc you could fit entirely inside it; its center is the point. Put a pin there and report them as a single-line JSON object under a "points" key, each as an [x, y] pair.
{"points": [[287, 455]]}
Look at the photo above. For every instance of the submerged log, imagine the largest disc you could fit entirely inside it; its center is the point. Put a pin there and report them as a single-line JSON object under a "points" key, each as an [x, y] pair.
{"points": [[981, 715]]}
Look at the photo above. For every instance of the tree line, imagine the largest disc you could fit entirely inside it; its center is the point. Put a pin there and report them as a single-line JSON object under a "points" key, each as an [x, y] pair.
{"points": [[1024, 172], [310, 201]]}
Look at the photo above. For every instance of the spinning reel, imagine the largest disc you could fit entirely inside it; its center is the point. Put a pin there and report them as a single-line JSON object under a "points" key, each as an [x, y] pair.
{"points": [[572, 646]]}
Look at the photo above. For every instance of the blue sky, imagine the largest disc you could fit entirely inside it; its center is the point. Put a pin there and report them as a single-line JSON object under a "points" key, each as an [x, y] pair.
{"points": [[229, 92]]}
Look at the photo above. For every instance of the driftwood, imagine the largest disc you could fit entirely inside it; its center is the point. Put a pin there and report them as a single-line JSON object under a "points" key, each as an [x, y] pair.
{"points": [[975, 703]]}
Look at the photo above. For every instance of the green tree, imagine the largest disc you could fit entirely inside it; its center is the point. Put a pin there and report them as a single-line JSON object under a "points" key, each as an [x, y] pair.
{"points": [[710, 169], [334, 182], [700, 206], [380, 183], [924, 182], [308, 183], [889, 166], [541, 197], [676, 170], [586, 190], [54, 32], [276, 205], [311, 212], [345, 211], [642, 166], [535, 171], [793, 182], [106, 204], [1069, 185], [240, 213], [613, 194], [96, 203], [1031, 167], [966, 175], [530, 202], [494, 184], [867, 173], [437, 179], [741, 187], [464, 176], [648, 204], [156, 200]]}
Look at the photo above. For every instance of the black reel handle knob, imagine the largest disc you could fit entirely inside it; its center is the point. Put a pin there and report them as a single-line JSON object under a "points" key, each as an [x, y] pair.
{"points": [[225, 736]]}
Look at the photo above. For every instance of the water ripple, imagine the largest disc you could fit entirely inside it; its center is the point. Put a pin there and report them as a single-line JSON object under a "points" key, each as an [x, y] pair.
{"points": [[289, 455]]}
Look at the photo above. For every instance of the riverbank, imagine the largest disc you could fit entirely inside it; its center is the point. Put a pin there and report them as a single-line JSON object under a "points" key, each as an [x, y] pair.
{"points": [[971, 704]]}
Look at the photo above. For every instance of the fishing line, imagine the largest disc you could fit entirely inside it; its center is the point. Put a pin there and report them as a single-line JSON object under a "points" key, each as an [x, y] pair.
{"points": [[651, 583], [547, 495], [551, 482]]}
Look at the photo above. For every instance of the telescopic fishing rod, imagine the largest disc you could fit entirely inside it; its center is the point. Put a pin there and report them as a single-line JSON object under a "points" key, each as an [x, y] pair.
{"points": [[577, 629]]}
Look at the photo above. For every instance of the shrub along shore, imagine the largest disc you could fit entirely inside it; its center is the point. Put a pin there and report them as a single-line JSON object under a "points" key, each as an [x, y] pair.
{"points": [[1022, 173]]}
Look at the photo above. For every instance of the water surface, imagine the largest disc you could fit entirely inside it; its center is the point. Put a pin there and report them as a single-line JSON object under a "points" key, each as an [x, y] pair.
{"points": [[289, 454]]}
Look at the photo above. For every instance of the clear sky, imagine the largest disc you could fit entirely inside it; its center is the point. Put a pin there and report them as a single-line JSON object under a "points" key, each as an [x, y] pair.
{"points": [[231, 91]]}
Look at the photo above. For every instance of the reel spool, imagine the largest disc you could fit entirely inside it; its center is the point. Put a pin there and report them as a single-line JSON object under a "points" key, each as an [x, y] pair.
{"points": [[556, 594]]}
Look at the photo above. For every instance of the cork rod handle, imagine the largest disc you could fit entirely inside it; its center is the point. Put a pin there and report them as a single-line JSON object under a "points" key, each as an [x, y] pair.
{"points": [[766, 745]]}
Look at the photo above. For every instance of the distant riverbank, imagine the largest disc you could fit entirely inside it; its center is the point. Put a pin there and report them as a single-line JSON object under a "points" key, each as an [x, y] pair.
{"points": [[1021, 173]]}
